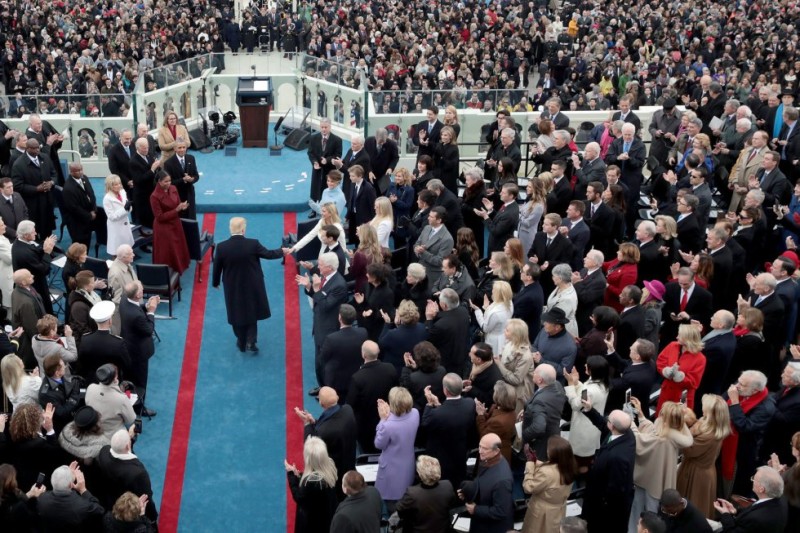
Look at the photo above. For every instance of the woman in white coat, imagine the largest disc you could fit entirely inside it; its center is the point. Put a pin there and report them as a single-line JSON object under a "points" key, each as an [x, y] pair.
{"points": [[6, 270], [564, 296], [495, 315], [117, 208], [583, 435]]}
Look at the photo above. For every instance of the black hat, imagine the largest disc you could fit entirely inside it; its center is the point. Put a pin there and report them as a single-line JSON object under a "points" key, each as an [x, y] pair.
{"points": [[106, 374], [555, 315], [86, 417], [787, 91], [669, 103]]}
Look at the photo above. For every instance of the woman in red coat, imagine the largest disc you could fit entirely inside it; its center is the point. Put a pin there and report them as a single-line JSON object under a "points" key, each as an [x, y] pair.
{"points": [[169, 241], [620, 273], [682, 365]]}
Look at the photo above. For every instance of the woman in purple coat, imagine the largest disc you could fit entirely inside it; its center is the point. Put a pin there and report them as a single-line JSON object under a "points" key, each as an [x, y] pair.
{"points": [[394, 436]]}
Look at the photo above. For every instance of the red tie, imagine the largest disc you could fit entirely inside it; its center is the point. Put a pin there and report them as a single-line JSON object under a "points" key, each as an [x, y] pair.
{"points": [[684, 300], [322, 282], [752, 155], [502, 208]]}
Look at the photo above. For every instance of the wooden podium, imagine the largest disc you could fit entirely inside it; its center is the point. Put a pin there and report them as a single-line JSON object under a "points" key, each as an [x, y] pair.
{"points": [[254, 98]]}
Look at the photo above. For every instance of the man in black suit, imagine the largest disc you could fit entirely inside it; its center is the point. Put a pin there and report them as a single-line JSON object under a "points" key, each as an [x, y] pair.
{"points": [[12, 208], [453, 219], [631, 320], [488, 498], [506, 148], [428, 132], [783, 269], [28, 254], [590, 286], [722, 257], [773, 183], [764, 297], [690, 234], [340, 356], [542, 415], [355, 156], [101, 347], [323, 148], [138, 325], [629, 154], [33, 178], [609, 484], [80, 205], [501, 223], [426, 200], [6, 142], [769, 513], [450, 428], [718, 347], [713, 106], [360, 202], [237, 263], [600, 219], [786, 420], [371, 382], [69, 505], [549, 249], [119, 159], [558, 199], [142, 168], [651, 261], [684, 301], [529, 300], [577, 231], [590, 168], [553, 114], [49, 142], [383, 154], [637, 373], [625, 114], [182, 167], [328, 290], [448, 326], [337, 427], [560, 151]]}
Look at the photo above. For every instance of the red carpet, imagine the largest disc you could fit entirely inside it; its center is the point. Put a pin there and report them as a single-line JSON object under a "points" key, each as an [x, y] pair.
{"points": [[294, 367], [179, 443]]}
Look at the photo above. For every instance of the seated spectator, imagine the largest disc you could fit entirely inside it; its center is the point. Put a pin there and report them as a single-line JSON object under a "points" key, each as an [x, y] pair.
{"points": [[401, 334], [17, 508], [426, 507], [500, 418], [549, 483], [128, 514], [123, 472], [69, 506], [19, 386], [423, 370], [394, 437], [106, 397], [60, 391], [49, 342]]}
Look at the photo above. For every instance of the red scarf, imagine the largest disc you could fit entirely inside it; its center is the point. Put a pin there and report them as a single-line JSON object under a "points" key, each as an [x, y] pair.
{"points": [[731, 443], [173, 131], [740, 331]]}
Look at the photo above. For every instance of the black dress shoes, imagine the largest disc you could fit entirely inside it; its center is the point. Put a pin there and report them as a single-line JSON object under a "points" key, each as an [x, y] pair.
{"points": [[252, 348], [240, 346], [148, 412], [314, 392]]}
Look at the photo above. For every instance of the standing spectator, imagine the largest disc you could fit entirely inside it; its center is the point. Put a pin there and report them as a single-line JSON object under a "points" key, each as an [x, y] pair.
{"points": [[69, 506], [620, 273], [502, 223], [48, 342], [542, 416], [143, 168], [564, 297], [117, 207], [697, 473], [169, 240], [639, 374], [119, 159], [428, 132], [356, 156], [19, 386], [531, 212], [786, 420], [360, 512], [383, 155], [401, 334], [426, 507], [394, 436], [628, 152], [590, 287], [446, 159], [17, 509], [138, 325], [423, 370], [113, 405], [495, 314], [500, 418], [549, 483], [313, 490], [183, 169], [33, 179], [529, 300], [383, 222], [169, 134], [680, 514], [80, 205], [515, 361], [584, 437], [488, 498], [682, 364], [323, 148], [332, 194], [340, 356], [26, 310], [554, 345], [12, 208], [372, 382], [361, 203], [472, 204], [483, 375], [767, 516]]}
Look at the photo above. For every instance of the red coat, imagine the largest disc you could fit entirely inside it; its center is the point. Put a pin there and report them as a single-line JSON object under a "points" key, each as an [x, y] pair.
{"points": [[691, 364], [169, 241], [618, 279]]}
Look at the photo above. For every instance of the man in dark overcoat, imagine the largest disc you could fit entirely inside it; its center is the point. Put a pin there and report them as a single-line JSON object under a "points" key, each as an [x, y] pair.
{"points": [[237, 264], [33, 177]]}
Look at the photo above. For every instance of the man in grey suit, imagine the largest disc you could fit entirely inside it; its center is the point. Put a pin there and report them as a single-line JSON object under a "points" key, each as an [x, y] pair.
{"points": [[542, 414], [434, 243]]}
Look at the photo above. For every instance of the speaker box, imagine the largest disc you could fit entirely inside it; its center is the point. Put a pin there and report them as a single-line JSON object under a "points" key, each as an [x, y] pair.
{"points": [[297, 140], [199, 140]]}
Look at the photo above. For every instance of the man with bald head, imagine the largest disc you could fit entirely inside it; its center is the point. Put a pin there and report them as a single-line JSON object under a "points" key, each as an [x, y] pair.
{"points": [[450, 428], [488, 498], [33, 177], [80, 205], [609, 483], [590, 168], [27, 308], [336, 426], [718, 347], [542, 415], [371, 382]]}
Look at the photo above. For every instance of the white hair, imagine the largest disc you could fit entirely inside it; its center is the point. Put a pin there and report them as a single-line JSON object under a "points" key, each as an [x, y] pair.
{"points": [[330, 259], [120, 441], [61, 479]]}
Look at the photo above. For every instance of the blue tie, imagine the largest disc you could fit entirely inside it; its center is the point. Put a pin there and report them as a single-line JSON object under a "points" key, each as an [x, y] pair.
{"points": [[626, 147]]}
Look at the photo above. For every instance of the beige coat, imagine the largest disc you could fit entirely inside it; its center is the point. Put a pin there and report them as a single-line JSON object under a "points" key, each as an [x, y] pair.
{"points": [[656, 466], [547, 505], [114, 407], [517, 370], [167, 142], [740, 174]]}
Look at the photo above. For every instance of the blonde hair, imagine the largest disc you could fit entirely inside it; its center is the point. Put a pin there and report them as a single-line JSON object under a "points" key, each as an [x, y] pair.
{"points": [[538, 190], [454, 111], [333, 211], [452, 132], [318, 464], [669, 224], [689, 338], [383, 211], [404, 174], [13, 370], [400, 401], [506, 271], [111, 180], [518, 333], [408, 313], [547, 181], [126, 508], [671, 417], [716, 417], [429, 469], [368, 243], [502, 294]]}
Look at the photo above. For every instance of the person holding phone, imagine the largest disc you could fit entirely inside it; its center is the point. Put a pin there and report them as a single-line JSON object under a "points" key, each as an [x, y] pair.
{"points": [[583, 435]]}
